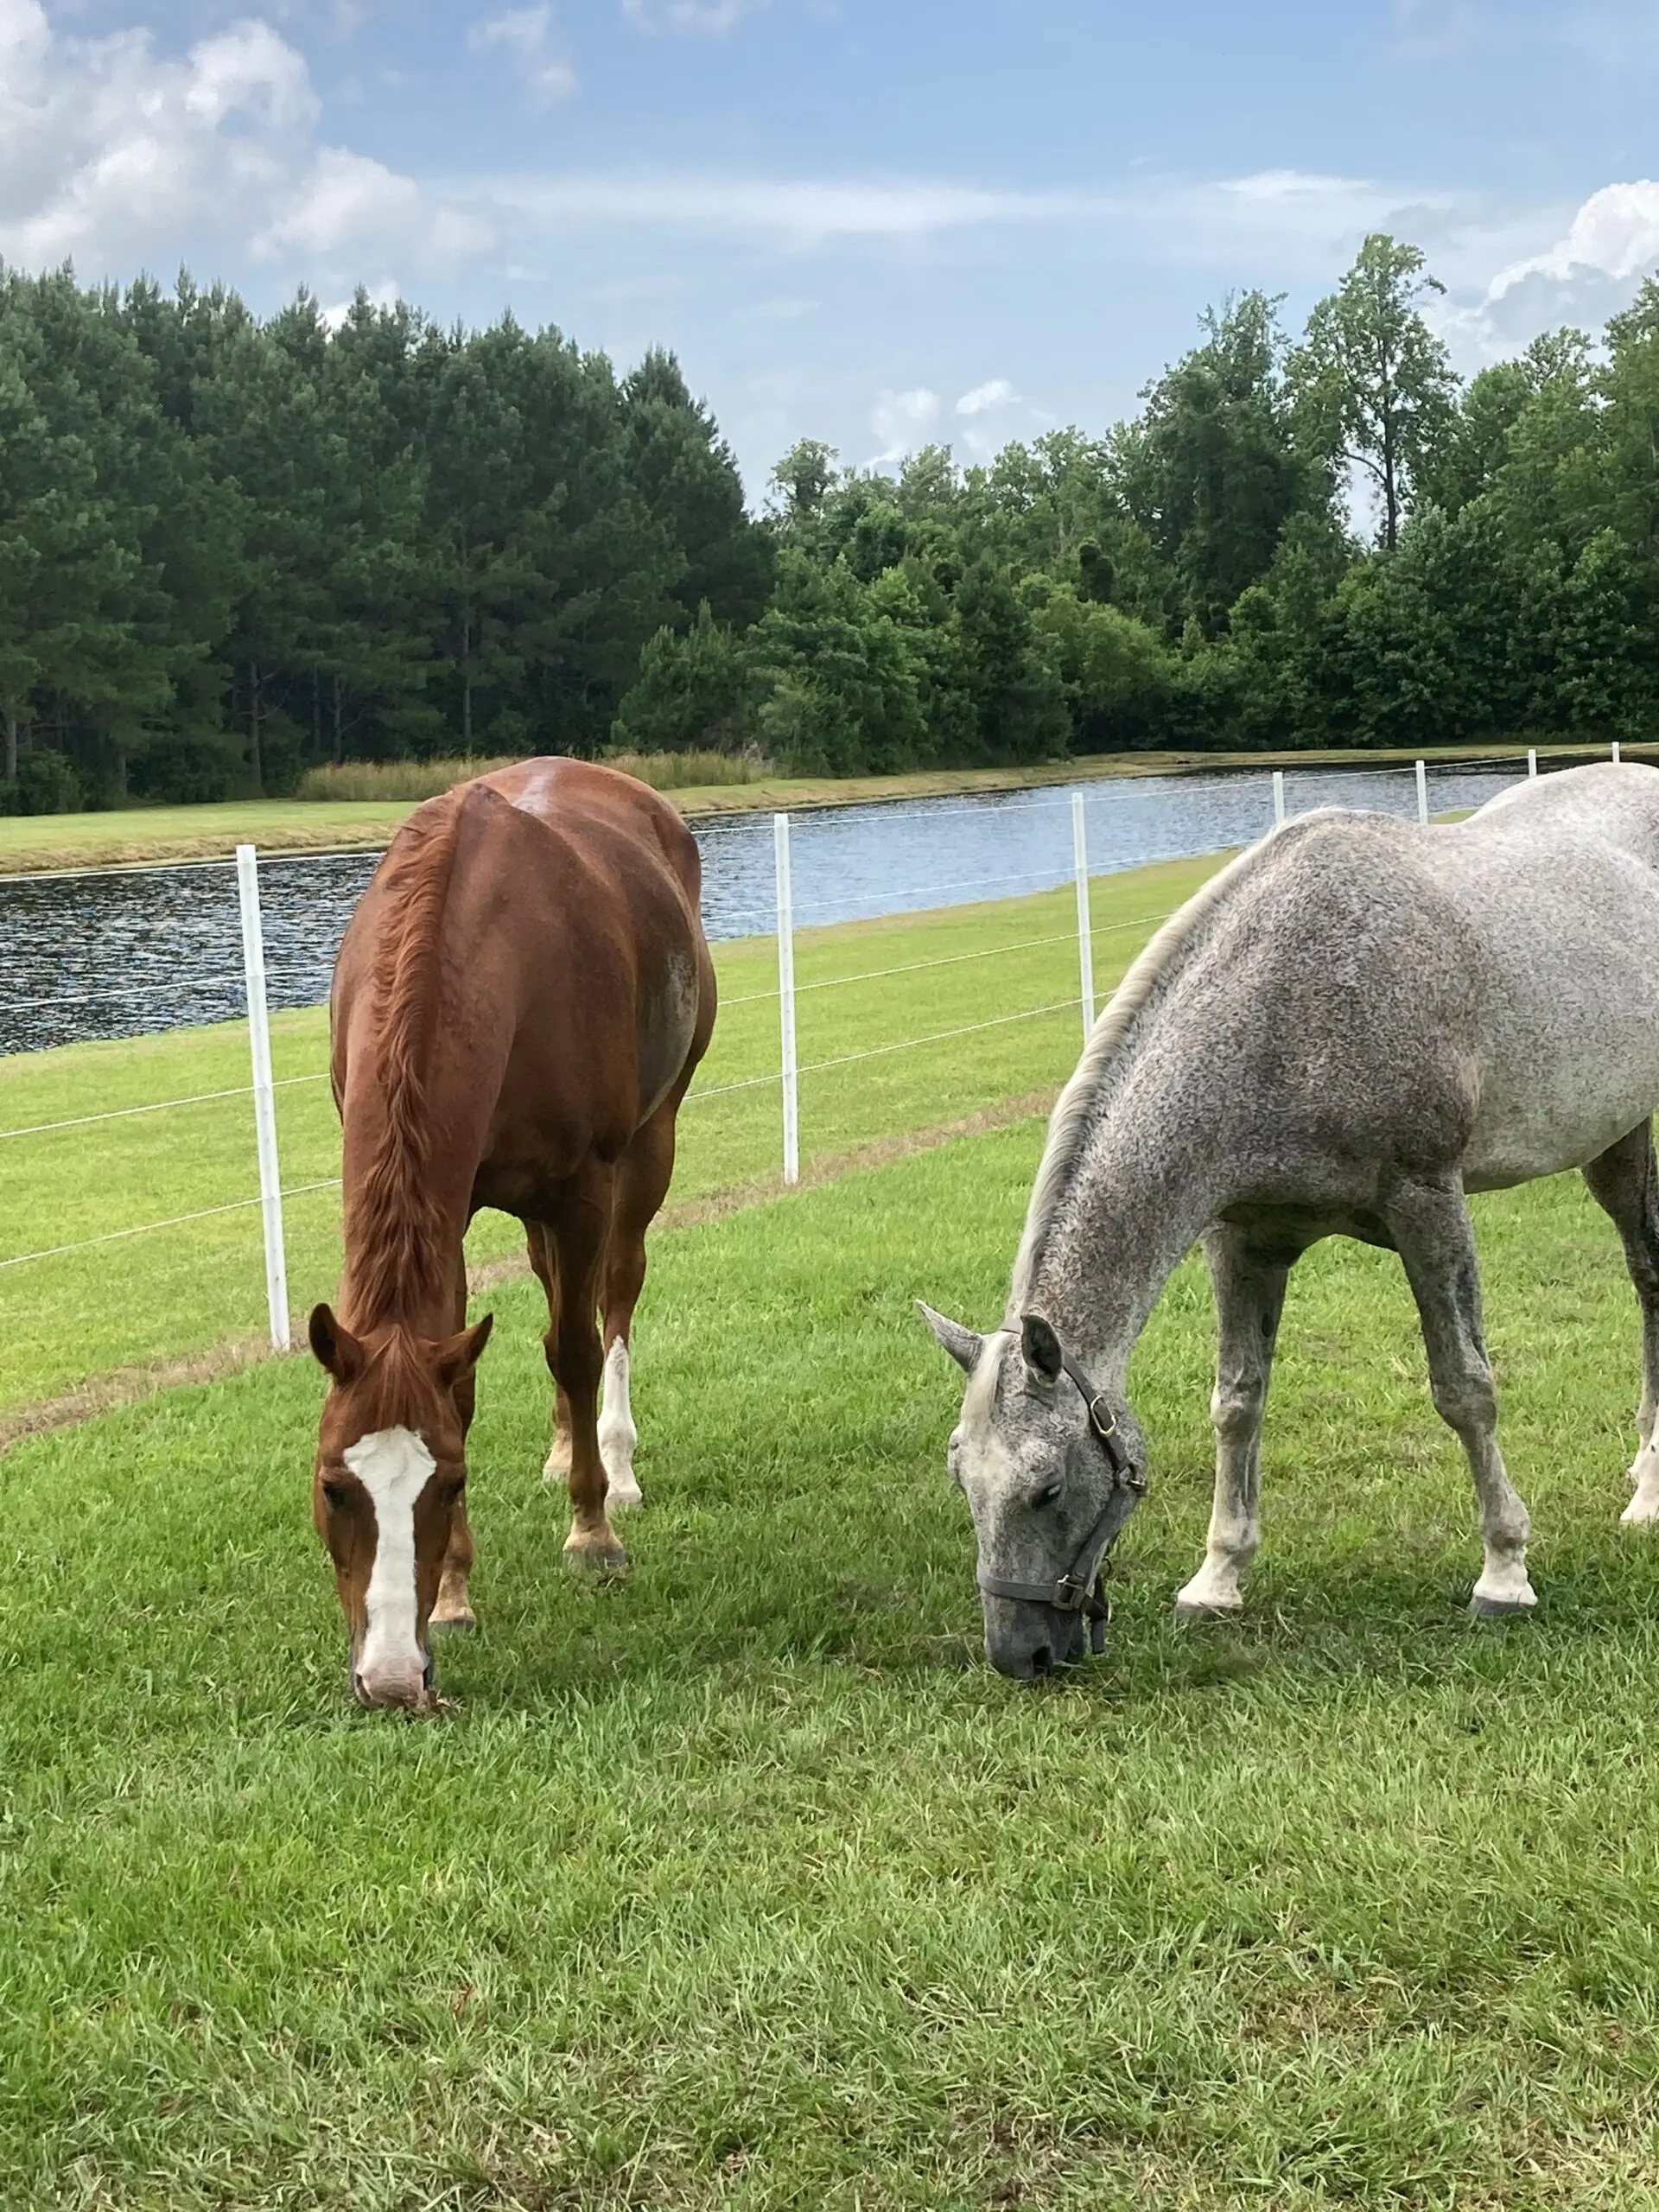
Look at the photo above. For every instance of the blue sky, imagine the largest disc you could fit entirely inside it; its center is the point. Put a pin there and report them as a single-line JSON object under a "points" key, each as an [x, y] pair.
{"points": [[875, 224]]}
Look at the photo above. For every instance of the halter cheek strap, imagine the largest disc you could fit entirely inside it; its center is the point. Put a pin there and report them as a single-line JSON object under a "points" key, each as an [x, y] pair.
{"points": [[1082, 1588]]}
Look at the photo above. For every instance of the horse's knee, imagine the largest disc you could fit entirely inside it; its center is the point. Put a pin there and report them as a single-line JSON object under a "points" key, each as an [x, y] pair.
{"points": [[1236, 1409], [1465, 1401]]}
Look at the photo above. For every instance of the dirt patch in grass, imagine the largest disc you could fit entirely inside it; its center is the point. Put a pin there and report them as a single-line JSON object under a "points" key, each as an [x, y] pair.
{"points": [[128, 1386]]}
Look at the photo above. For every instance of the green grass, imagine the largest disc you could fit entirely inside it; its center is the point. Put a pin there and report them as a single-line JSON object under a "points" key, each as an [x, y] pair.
{"points": [[178, 1291], [748, 1884]]}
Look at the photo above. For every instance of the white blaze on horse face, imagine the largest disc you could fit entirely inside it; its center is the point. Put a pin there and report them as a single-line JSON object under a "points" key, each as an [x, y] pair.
{"points": [[617, 1434], [393, 1465]]}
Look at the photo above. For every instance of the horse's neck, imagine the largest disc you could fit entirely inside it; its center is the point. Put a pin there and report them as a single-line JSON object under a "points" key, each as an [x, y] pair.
{"points": [[1145, 1186]]}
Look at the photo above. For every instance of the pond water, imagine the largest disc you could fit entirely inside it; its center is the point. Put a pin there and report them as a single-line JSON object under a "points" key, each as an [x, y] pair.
{"points": [[128, 951]]}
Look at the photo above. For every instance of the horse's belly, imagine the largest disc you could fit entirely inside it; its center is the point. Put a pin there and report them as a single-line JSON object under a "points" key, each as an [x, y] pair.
{"points": [[1568, 1114]]}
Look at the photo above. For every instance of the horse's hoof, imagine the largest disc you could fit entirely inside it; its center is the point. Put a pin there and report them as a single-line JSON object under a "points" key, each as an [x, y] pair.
{"points": [[1640, 1513], [1192, 1608], [460, 1618], [596, 1559], [555, 1468], [622, 1492], [1491, 1609]]}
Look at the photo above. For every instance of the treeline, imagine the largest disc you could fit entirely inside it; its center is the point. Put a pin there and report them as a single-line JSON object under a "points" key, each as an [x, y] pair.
{"points": [[230, 550]]}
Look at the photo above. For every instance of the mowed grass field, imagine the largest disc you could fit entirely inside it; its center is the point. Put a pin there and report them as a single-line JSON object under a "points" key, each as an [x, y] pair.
{"points": [[745, 1883], [863, 987]]}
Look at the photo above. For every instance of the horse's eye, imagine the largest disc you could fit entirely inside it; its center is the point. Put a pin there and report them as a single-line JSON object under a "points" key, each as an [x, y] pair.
{"points": [[336, 1494], [1046, 1496], [451, 1488]]}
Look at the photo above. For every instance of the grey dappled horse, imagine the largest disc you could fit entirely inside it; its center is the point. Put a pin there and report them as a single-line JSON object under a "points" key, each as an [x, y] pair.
{"points": [[1353, 1024]]}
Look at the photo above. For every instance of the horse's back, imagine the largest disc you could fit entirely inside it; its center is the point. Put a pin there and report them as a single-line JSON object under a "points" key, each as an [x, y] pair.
{"points": [[1486, 991], [569, 981]]}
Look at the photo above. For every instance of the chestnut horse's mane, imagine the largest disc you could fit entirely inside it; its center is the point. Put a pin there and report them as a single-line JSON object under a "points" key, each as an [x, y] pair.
{"points": [[396, 1222]]}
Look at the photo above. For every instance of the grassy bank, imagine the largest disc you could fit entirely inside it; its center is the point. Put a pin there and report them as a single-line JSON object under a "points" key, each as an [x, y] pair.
{"points": [[746, 1885], [202, 1284], [151, 835]]}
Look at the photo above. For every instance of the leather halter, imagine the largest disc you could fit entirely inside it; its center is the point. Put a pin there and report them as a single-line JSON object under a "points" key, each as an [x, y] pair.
{"points": [[1082, 1588]]}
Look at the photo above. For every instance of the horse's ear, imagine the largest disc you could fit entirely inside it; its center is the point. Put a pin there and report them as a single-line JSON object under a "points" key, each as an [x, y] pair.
{"points": [[964, 1345], [458, 1356], [1040, 1345], [336, 1348]]}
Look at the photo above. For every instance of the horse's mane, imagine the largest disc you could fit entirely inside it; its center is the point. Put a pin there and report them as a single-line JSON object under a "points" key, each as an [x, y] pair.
{"points": [[396, 1222], [1073, 1116]]}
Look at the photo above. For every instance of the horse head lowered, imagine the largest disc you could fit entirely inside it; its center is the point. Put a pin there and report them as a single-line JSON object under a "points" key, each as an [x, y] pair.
{"points": [[387, 1495], [1051, 1468]]}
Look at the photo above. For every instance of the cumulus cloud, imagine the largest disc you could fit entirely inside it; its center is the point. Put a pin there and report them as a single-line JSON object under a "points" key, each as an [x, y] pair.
{"points": [[116, 155], [1589, 272], [526, 34], [1616, 231], [902, 420]]}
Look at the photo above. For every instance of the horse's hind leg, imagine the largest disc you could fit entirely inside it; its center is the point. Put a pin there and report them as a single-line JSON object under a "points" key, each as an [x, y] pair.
{"points": [[1430, 1225], [578, 1235], [642, 1180], [1622, 1182], [453, 1607], [1249, 1298], [556, 1466]]}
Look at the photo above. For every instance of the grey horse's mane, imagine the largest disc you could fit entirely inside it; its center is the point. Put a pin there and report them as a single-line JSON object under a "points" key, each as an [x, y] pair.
{"points": [[1070, 1123]]}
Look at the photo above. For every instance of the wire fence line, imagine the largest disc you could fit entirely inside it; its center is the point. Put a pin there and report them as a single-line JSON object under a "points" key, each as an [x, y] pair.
{"points": [[250, 989]]}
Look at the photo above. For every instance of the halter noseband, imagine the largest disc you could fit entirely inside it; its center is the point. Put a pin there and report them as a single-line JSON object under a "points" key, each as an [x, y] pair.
{"points": [[1082, 1588]]}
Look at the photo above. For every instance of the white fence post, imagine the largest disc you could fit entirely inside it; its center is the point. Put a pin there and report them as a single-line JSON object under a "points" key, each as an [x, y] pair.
{"points": [[264, 1098], [1615, 748], [1532, 763], [1085, 926], [786, 1001], [1422, 792], [1278, 799]]}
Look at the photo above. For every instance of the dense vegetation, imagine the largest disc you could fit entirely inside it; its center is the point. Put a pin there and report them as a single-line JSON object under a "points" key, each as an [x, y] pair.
{"points": [[231, 549]]}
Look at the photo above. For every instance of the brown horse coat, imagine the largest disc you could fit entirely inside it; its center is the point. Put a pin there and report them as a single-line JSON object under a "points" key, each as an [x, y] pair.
{"points": [[519, 1003]]}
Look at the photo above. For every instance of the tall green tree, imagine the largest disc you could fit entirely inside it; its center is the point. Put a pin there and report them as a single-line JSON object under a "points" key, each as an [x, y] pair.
{"points": [[1372, 385]]}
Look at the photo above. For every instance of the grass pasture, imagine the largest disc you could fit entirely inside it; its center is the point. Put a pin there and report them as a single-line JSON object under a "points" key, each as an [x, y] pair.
{"points": [[748, 1884], [182, 1291]]}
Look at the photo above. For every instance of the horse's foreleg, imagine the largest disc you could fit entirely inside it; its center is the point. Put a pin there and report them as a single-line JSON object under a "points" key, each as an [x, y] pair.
{"points": [[1249, 1298], [453, 1607], [643, 1177], [578, 1238], [1623, 1183], [1432, 1231]]}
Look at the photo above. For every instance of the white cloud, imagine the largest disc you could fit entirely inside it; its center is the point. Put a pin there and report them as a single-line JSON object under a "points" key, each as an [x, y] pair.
{"points": [[902, 420], [118, 156], [1615, 232], [345, 198], [705, 16], [999, 392], [1588, 273], [804, 210], [527, 35]]}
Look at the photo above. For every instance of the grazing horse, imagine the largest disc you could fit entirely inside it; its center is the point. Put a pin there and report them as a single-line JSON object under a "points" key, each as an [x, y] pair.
{"points": [[1352, 1024], [520, 1001]]}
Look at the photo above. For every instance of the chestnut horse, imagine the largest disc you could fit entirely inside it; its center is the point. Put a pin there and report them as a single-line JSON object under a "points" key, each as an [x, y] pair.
{"points": [[520, 1003]]}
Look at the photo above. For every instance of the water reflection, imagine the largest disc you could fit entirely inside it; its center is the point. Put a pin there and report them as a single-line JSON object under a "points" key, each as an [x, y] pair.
{"points": [[131, 952]]}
